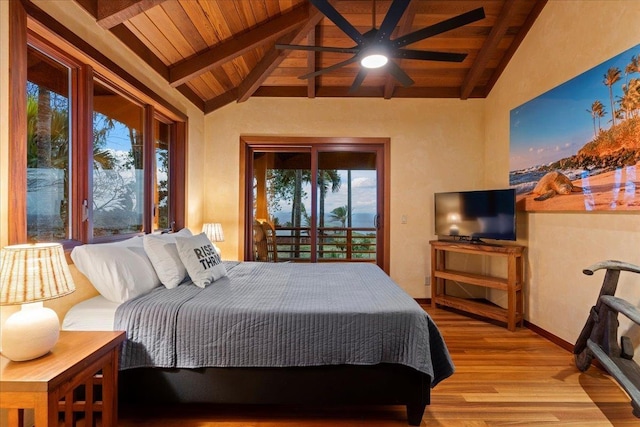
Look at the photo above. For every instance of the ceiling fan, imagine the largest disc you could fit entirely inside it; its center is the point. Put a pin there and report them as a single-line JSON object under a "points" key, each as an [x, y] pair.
{"points": [[374, 48]]}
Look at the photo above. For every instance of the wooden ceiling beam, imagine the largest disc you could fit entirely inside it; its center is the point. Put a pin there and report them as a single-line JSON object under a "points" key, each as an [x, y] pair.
{"points": [[110, 13], [221, 100], [274, 57], [365, 92], [232, 48], [405, 26], [192, 96], [524, 29], [488, 48], [311, 65], [139, 48]]}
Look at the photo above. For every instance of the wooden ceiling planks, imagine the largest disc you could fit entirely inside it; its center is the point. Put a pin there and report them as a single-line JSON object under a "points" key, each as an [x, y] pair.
{"points": [[220, 51], [199, 19], [183, 23], [110, 13], [146, 30]]}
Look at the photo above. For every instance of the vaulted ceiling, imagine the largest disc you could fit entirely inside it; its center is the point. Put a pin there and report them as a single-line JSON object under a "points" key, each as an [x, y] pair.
{"points": [[220, 51]]}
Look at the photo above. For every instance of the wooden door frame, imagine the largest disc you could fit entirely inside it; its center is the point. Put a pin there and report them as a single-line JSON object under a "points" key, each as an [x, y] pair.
{"points": [[249, 142]]}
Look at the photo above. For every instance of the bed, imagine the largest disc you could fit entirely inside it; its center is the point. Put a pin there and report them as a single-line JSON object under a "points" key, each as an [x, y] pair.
{"points": [[268, 333]]}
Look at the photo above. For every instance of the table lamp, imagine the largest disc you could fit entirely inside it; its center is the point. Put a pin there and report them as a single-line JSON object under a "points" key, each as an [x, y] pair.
{"points": [[214, 233], [30, 274]]}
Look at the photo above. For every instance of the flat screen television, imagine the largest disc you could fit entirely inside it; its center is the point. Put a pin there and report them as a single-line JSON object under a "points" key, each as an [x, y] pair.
{"points": [[476, 215]]}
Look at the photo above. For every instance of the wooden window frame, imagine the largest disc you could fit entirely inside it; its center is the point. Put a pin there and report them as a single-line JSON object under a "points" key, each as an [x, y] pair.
{"points": [[29, 25], [153, 115]]}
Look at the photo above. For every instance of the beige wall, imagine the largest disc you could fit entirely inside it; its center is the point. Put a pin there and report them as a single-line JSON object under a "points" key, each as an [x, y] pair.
{"points": [[568, 38], [436, 145]]}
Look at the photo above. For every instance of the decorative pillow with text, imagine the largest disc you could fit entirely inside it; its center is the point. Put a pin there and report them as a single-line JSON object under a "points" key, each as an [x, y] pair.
{"points": [[200, 258]]}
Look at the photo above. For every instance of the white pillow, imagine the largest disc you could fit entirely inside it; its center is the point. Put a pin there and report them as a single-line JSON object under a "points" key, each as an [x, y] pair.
{"points": [[119, 271], [200, 258], [163, 253]]}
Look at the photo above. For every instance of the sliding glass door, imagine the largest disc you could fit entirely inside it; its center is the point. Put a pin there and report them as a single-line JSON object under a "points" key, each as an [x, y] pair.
{"points": [[314, 201], [347, 220], [282, 207]]}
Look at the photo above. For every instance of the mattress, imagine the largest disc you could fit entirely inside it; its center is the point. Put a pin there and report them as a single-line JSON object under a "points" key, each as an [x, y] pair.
{"points": [[283, 315], [94, 314]]}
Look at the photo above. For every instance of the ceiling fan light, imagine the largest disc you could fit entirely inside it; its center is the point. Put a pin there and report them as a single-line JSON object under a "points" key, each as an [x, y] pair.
{"points": [[374, 60]]}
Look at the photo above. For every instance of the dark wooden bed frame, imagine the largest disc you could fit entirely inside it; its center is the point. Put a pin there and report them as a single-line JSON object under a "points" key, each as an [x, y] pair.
{"points": [[384, 384]]}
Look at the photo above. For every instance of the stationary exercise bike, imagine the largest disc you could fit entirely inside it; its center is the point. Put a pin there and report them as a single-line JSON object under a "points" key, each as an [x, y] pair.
{"points": [[598, 338]]}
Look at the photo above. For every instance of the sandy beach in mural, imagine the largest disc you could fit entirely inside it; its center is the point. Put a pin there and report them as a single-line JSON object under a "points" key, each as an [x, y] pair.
{"points": [[608, 191]]}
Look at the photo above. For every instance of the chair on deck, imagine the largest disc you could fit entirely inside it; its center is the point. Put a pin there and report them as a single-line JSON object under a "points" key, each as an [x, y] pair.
{"points": [[264, 242]]}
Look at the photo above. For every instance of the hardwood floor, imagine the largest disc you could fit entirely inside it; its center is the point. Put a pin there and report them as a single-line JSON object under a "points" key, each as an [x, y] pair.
{"points": [[502, 378]]}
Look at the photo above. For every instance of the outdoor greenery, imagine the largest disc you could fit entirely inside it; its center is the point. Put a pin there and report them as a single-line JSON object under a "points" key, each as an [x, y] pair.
{"points": [[114, 185], [286, 185]]}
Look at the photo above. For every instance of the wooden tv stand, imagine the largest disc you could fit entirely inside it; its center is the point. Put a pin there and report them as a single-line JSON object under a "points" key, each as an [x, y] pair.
{"points": [[512, 284]]}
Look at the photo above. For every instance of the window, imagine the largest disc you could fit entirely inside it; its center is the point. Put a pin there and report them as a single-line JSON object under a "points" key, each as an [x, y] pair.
{"points": [[161, 199], [97, 156], [48, 148], [118, 163]]}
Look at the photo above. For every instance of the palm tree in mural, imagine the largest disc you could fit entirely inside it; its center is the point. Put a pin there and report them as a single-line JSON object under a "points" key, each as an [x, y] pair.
{"points": [[630, 100], [597, 112], [612, 76], [631, 90], [592, 112], [632, 67]]}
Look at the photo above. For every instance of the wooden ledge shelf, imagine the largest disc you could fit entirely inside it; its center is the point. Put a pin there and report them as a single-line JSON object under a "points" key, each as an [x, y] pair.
{"points": [[481, 307], [473, 279], [512, 284]]}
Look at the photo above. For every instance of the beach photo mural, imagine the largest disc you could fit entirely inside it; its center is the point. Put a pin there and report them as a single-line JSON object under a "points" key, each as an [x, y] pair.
{"points": [[577, 146]]}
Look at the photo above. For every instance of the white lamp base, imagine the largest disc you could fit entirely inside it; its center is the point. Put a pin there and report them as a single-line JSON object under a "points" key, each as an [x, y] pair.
{"points": [[30, 333]]}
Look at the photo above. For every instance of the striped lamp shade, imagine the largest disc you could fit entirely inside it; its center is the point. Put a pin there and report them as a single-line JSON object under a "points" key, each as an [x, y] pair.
{"points": [[213, 231], [30, 273]]}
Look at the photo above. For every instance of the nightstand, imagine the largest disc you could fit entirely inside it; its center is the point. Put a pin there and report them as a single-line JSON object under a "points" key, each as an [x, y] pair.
{"points": [[47, 384]]}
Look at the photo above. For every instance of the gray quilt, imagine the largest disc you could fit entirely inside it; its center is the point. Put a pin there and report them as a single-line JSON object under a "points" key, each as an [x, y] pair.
{"points": [[277, 315]]}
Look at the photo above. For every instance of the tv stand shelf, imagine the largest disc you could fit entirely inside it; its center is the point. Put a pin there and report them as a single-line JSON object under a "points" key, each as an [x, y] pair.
{"points": [[512, 284]]}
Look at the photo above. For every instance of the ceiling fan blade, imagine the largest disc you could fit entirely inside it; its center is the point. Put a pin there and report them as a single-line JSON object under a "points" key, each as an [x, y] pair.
{"points": [[391, 19], [358, 80], [426, 55], [330, 12], [441, 27], [399, 74], [351, 60], [318, 48]]}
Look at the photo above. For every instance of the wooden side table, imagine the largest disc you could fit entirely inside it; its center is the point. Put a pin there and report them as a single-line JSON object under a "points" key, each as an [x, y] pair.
{"points": [[512, 284], [44, 383]]}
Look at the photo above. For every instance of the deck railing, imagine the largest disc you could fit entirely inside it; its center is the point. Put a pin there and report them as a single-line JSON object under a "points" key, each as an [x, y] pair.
{"points": [[334, 244]]}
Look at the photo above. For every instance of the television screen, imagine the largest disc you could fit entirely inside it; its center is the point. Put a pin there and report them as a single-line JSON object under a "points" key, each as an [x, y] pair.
{"points": [[474, 215]]}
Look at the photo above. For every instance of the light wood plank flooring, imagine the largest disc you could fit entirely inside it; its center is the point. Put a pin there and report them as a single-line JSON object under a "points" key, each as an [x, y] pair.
{"points": [[502, 379]]}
